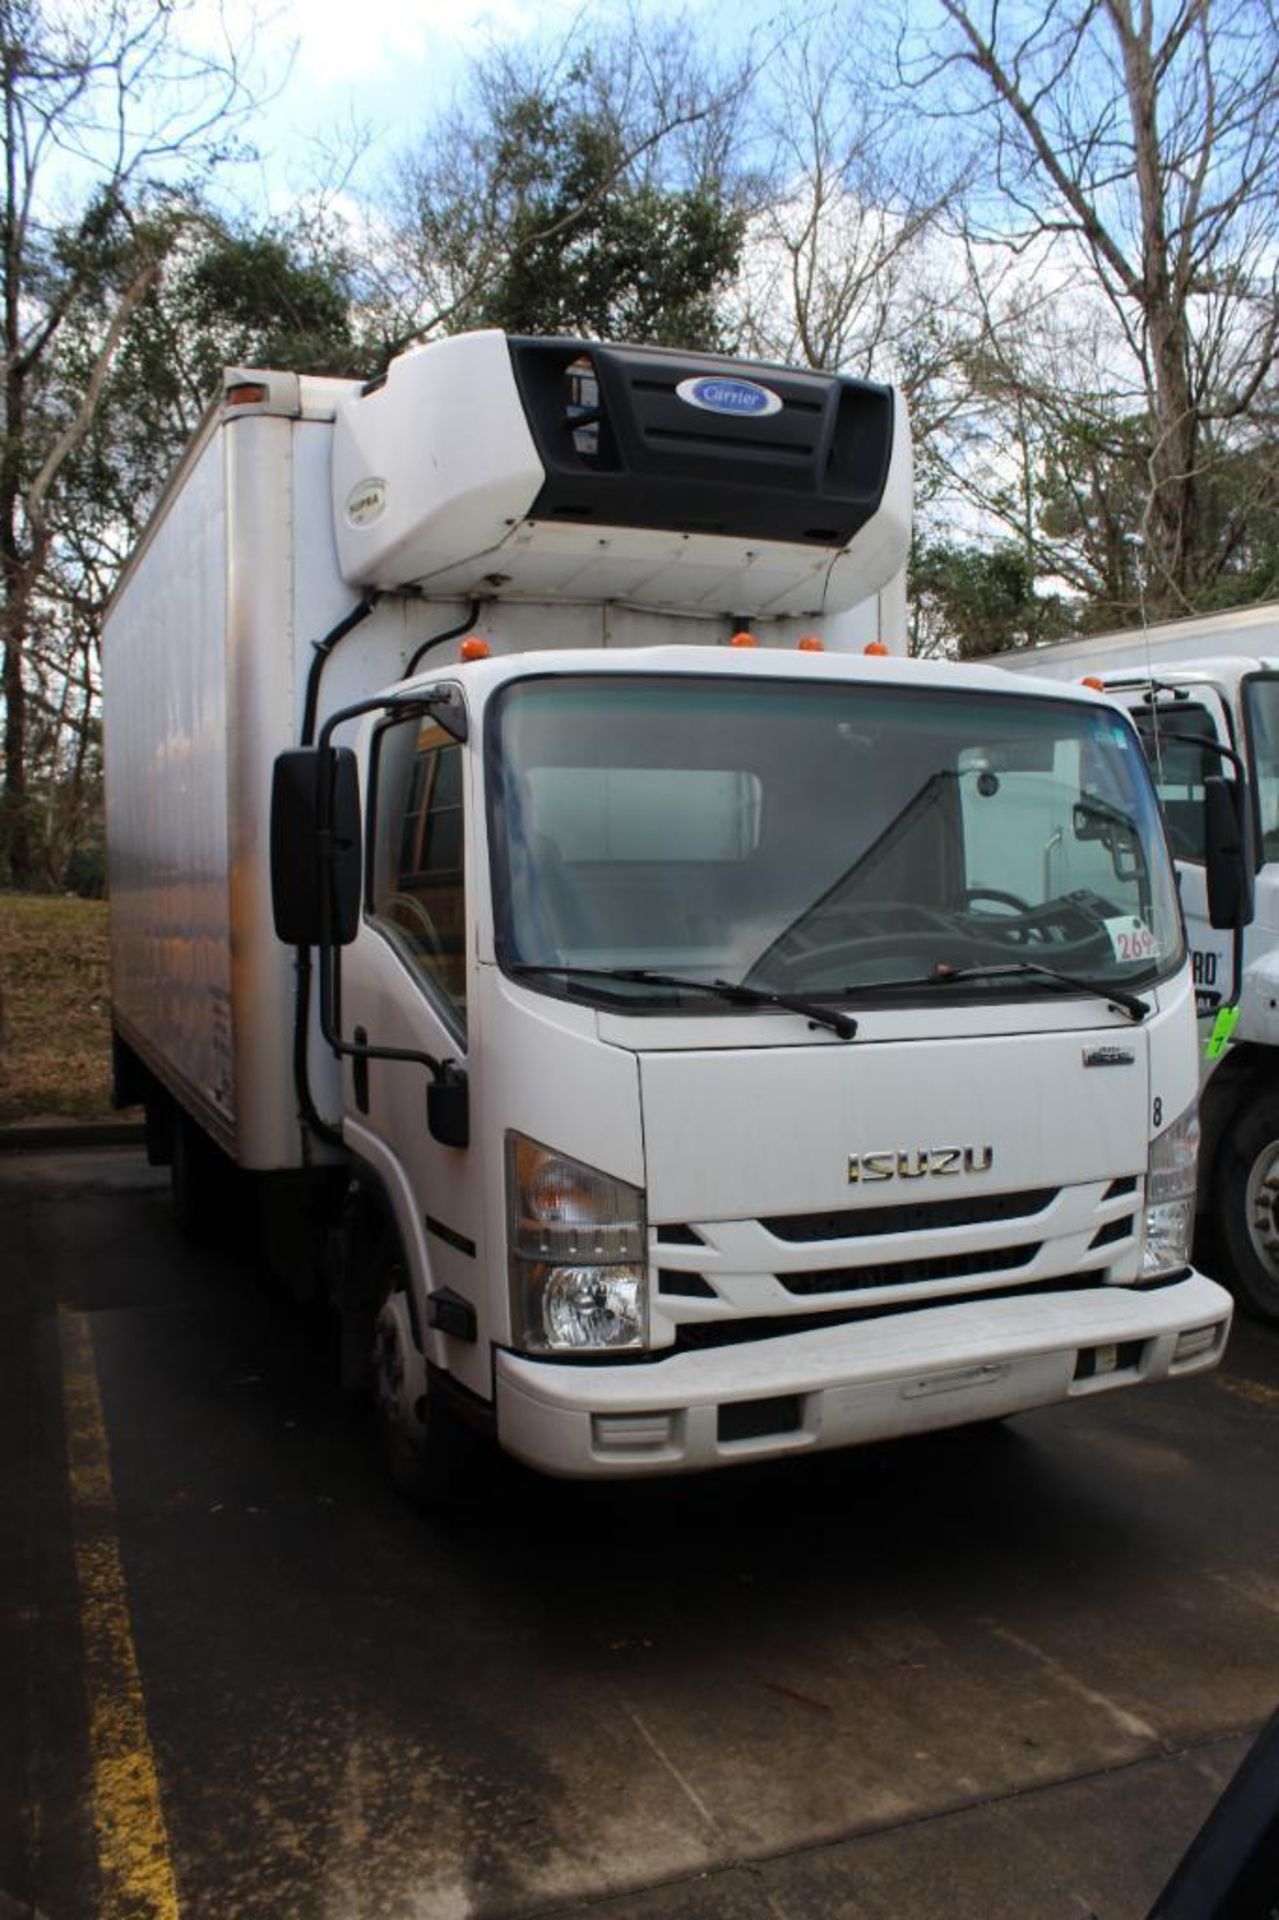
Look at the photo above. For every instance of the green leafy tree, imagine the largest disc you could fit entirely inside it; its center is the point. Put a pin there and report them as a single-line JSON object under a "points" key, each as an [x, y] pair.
{"points": [[589, 189], [228, 295], [590, 251], [968, 601]]}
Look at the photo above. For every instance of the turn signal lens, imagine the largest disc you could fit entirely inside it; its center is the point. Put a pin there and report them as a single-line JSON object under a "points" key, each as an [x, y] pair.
{"points": [[1170, 1197], [577, 1242]]}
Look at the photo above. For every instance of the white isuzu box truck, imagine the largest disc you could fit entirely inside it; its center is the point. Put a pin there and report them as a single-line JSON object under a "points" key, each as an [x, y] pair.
{"points": [[1204, 693], [672, 1039]]}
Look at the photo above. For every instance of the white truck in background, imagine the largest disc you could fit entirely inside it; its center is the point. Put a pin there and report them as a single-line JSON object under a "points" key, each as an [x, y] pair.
{"points": [[1215, 678], [670, 1039]]}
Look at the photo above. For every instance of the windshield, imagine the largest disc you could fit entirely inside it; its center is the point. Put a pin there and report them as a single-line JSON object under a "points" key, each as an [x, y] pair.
{"points": [[819, 839]]}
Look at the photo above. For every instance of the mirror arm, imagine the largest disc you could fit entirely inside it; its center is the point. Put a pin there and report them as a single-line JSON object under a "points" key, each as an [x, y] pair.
{"points": [[1198, 740]]}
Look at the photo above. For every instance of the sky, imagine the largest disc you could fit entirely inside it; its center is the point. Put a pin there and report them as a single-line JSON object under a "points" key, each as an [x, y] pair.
{"points": [[385, 74]]}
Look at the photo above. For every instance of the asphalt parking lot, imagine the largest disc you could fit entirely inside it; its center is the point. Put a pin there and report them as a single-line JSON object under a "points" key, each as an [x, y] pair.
{"points": [[1001, 1674]]}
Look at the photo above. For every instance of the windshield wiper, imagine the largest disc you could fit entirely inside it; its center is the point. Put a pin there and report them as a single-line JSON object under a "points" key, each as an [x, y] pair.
{"points": [[817, 1016], [943, 974], [1117, 997]]}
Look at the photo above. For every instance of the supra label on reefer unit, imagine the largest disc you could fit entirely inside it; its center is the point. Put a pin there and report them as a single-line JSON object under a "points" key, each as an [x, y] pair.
{"points": [[366, 502]]}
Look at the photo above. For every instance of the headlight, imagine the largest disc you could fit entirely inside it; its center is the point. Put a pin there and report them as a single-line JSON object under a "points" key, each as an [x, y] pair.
{"points": [[1170, 1197], [578, 1254]]}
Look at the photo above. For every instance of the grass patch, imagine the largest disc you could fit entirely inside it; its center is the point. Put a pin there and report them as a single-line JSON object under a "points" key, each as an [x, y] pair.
{"points": [[55, 1028]]}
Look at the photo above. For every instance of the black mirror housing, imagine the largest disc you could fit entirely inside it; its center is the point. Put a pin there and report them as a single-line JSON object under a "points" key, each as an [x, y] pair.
{"points": [[1227, 855], [316, 876], [448, 1107]]}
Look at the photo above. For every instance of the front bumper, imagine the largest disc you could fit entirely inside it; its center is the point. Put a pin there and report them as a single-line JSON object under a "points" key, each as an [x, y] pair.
{"points": [[942, 1366]]}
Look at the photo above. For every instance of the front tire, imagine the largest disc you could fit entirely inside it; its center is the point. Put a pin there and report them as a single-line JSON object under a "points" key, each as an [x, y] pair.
{"points": [[1248, 1204], [434, 1459]]}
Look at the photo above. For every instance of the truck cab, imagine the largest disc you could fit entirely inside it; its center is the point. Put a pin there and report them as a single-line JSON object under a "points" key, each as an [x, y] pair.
{"points": [[1199, 719], [826, 1030]]}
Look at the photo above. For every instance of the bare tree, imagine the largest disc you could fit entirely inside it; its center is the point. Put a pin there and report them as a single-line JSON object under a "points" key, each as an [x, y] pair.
{"points": [[845, 265], [839, 240], [102, 105], [1132, 155]]}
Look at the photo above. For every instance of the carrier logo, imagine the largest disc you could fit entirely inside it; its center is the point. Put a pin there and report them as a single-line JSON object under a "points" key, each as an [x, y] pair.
{"points": [[719, 394], [917, 1163]]}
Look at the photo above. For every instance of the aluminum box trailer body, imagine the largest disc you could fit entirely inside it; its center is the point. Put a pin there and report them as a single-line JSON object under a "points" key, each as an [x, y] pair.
{"points": [[1215, 678], [692, 1044], [1241, 632]]}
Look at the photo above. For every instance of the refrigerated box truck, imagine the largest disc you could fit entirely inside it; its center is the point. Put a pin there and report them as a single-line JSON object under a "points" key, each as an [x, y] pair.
{"points": [[676, 1028], [1204, 693]]}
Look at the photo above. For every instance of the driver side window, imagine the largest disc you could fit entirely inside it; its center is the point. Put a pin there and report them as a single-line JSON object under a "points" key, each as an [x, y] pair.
{"points": [[418, 879], [1179, 769]]}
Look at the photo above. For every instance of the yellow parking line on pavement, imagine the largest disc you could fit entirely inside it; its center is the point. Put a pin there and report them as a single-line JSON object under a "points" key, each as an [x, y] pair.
{"points": [[1259, 1394], [137, 1880]]}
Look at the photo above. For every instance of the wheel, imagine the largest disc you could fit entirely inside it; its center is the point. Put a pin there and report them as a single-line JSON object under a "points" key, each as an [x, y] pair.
{"points": [[435, 1460], [1248, 1204]]}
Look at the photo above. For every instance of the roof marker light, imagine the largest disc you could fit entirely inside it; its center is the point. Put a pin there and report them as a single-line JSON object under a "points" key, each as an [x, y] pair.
{"points": [[743, 640], [473, 648], [811, 643], [249, 393], [875, 646], [1091, 680]]}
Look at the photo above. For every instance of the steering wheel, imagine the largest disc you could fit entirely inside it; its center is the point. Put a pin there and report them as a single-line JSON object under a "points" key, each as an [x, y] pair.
{"points": [[1013, 900], [1017, 934]]}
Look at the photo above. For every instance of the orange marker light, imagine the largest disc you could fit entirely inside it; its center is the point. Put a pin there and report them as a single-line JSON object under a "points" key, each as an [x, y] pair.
{"points": [[473, 648], [743, 640], [875, 646], [1091, 680], [811, 643], [249, 393]]}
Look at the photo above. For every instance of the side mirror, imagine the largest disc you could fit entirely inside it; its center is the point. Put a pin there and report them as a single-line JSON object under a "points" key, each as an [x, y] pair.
{"points": [[448, 1107], [1227, 855], [316, 873]]}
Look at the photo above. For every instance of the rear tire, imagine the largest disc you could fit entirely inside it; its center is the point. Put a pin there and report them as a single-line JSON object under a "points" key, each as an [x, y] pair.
{"points": [[1247, 1204], [202, 1181]]}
